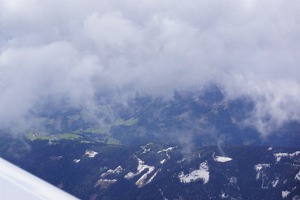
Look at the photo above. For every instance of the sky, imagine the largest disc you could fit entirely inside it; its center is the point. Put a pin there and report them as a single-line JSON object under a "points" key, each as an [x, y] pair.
{"points": [[56, 49]]}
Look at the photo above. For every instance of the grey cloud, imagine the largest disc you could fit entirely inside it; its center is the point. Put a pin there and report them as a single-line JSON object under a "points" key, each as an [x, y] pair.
{"points": [[75, 48]]}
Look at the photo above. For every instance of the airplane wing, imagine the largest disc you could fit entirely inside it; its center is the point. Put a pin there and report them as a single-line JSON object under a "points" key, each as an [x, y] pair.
{"points": [[15, 183]]}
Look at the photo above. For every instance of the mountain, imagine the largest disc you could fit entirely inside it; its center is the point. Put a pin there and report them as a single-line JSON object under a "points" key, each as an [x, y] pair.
{"points": [[157, 171], [195, 145]]}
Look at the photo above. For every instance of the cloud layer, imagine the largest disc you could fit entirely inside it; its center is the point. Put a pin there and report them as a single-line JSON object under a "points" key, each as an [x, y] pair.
{"points": [[74, 49]]}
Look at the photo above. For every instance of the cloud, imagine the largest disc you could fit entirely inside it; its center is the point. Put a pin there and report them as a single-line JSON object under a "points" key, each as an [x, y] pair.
{"points": [[74, 49]]}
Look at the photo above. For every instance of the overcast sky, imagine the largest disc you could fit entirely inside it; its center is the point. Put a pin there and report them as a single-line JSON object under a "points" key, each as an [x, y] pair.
{"points": [[73, 48]]}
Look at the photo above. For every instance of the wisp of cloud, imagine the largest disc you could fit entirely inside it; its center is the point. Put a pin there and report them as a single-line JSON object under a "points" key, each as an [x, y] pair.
{"points": [[74, 49]]}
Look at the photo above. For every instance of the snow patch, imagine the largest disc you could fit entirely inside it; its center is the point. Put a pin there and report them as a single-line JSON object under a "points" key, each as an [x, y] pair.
{"points": [[222, 159], [140, 168], [163, 161], [105, 183], [76, 160], [297, 197], [201, 173], [146, 148], [56, 157], [162, 194], [90, 153], [118, 170], [278, 156], [285, 193], [182, 160], [153, 176], [166, 151], [297, 177], [259, 169], [270, 149], [224, 196], [233, 180], [275, 183], [141, 182]]}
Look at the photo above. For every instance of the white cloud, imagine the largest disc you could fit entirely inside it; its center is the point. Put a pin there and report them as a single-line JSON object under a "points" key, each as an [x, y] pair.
{"points": [[75, 48]]}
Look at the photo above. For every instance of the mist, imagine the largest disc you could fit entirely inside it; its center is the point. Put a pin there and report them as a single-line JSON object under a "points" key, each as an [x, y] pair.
{"points": [[76, 50]]}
